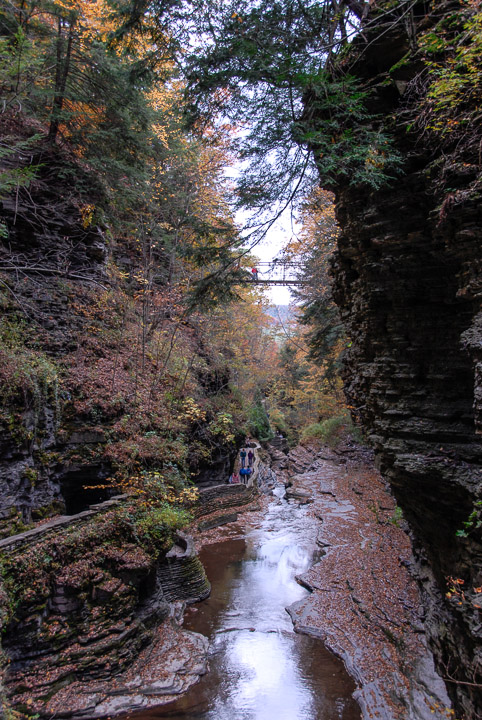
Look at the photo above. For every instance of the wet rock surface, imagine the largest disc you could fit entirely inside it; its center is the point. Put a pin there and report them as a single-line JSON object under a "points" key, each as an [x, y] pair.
{"points": [[103, 642], [174, 660], [364, 603]]}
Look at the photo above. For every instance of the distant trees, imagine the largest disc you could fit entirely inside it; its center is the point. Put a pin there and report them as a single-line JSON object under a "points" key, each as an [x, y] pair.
{"points": [[307, 387], [315, 246]]}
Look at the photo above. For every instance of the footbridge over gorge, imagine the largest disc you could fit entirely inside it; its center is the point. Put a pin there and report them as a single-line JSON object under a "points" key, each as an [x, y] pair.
{"points": [[276, 272]]}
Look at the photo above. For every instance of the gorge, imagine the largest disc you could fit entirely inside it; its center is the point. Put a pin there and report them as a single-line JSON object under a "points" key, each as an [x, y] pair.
{"points": [[135, 358]]}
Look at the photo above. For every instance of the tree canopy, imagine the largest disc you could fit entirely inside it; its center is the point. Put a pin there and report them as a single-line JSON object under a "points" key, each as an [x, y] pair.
{"points": [[270, 68]]}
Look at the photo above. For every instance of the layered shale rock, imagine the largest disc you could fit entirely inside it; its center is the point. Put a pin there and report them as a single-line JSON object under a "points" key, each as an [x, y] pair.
{"points": [[86, 625], [408, 282]]}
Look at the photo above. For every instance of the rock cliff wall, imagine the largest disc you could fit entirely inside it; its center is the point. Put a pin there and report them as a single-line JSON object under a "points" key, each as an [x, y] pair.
{"points": [[408, 282], [53, 265]]}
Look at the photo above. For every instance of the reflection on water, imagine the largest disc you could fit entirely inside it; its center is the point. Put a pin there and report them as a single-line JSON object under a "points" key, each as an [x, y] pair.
{"points": [[259, 668]]}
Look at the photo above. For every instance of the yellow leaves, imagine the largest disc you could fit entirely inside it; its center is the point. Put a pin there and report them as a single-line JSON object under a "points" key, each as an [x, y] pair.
{"points": [[222, 426], [188, 496], [141, 279], [93, 19], [166, 100], [375, 158], [319, 226], [441, 710], [192, 411], [152, 490], [87, 215], [453, 94], [98, 19]]}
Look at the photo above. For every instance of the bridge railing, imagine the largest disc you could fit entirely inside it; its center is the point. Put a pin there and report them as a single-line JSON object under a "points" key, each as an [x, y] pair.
{"points": [[276, 273]]}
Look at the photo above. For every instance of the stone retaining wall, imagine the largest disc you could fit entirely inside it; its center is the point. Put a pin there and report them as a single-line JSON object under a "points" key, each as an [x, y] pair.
{"points": [[211, 499], [30, 537], [220, 497]]}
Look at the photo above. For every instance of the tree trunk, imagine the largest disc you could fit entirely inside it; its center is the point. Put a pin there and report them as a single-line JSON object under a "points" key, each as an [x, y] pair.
{"points": [[62, 68]]}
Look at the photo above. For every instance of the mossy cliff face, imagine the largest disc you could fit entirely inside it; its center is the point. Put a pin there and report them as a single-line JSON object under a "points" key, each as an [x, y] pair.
{"points": [[408, 282]]}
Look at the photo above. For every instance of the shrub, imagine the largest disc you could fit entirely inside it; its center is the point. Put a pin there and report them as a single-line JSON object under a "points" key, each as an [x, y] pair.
{"points": [[278, 421], [157, 525], [330, 431], [258, 421]]}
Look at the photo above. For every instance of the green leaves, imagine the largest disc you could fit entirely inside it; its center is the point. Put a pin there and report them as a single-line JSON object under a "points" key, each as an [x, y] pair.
{"points": [[258, 420], [452, 102], [473, 522], [15, 170], [269, 68], [343, 134]]}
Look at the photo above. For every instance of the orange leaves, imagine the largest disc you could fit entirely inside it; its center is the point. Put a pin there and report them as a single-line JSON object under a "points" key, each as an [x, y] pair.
{"points": [[459, 595], [319, 226], [152, 489]]}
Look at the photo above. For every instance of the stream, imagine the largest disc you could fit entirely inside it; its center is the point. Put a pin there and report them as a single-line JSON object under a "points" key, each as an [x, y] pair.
{"points": [[259, 668]]}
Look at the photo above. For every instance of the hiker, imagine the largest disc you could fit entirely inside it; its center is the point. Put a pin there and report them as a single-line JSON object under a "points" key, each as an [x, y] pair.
{"points": [[235, 478], [242, 455], [254, 272], [250, 458], [244, 474]]}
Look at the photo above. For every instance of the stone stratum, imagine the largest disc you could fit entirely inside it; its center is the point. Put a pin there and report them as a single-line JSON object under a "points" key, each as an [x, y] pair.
{"points": [[407, 277]]}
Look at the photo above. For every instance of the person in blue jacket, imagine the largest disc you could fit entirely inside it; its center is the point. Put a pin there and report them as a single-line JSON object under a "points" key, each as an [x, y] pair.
{"points": [[242, 455]]}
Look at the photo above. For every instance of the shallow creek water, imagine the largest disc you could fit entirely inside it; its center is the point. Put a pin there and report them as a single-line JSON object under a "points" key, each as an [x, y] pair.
{"points": [[259, 668]]}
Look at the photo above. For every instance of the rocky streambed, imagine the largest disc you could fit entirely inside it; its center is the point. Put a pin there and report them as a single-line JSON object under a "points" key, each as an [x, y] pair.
{"points": [[332, 551], [363, 603]]}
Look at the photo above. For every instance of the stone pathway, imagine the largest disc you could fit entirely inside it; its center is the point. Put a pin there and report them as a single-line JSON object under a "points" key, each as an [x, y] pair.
{"points": [[30, 537]]}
